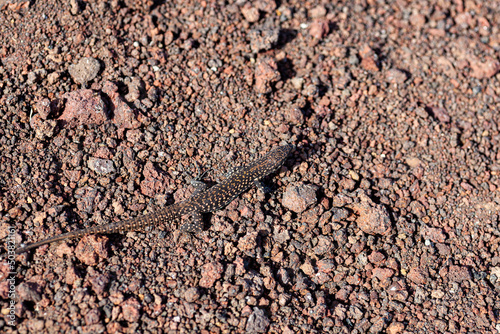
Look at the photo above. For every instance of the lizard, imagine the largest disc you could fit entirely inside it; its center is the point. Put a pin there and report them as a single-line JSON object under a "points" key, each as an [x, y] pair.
{"points": [[203, 200]]}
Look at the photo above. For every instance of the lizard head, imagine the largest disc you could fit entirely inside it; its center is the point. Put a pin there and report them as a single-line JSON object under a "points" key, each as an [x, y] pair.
{"points": [[277, 156]]}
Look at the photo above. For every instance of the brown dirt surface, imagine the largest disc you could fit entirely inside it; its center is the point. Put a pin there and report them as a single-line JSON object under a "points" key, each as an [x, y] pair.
{"points": [[385, 218]]}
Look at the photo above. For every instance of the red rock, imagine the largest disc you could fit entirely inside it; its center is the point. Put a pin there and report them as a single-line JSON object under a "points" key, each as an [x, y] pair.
{"points": [[343, 294], [43, 108], [441, 114], [321, 278], [192, 294], [116, 297], [87, 198], [398, 291], [372, 218], [135, 89], [318, 311], [28, 291], [324, 245], [250, 13], [210, 273], [266, 72], [326, 265], [369, 64], [483, 69], [376, 257], [14, 6], [299, 197], [446, 66], [267, 6], [339, 201], [458, 274], [433, 234], [246, 212], [319, 28], [93, 317], [258, 322], [417, 208], [383, 274], [90, 248], [99, 282], [417, 20], [464, 19], [368, 61], [131, 310], [262, 39], [71, 275], [418, 276], [154, 182], [123, 116], [248, 242], [103, 153], [395, 76], [294, 115], [317, 12], [84, 107]]}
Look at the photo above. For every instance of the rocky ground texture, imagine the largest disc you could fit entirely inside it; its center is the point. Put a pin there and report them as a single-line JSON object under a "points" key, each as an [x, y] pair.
{"points": [[384, 219]]}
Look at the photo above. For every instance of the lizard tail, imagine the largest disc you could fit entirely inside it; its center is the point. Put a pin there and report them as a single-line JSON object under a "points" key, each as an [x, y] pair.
{"points": [[118, 227]]}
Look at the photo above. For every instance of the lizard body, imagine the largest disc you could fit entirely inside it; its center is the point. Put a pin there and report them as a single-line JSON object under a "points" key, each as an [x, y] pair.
{"points": [[202, 201]]}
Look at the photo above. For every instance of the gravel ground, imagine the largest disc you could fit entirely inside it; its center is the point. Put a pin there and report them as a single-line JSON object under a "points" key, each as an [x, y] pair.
{"points": [[385, 218]]}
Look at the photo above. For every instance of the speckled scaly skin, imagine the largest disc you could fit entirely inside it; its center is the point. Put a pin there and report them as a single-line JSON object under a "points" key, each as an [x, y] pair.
{"points": [[209, 200]]}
